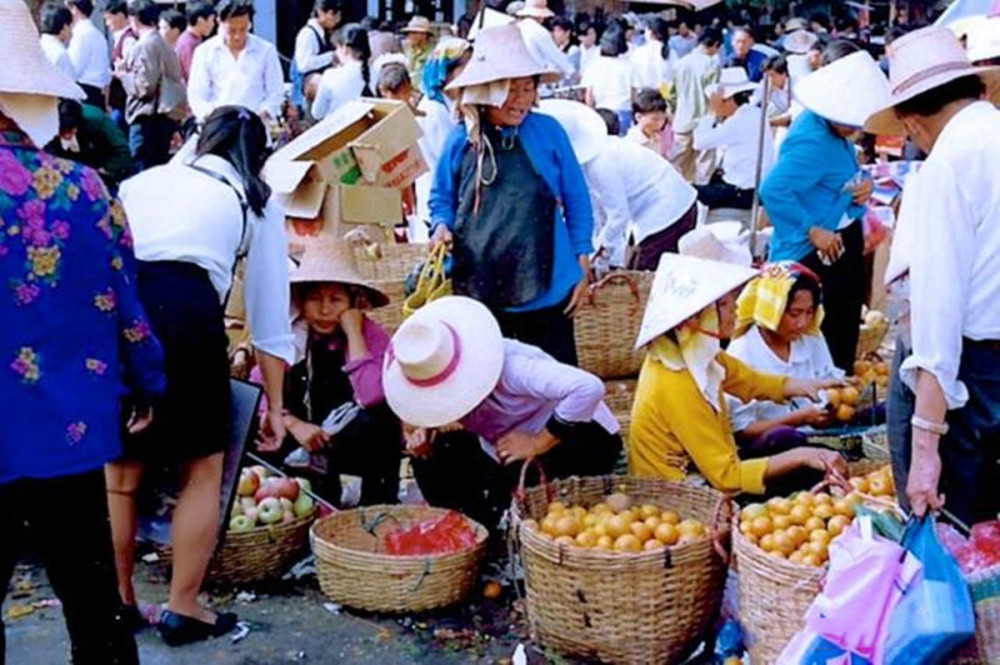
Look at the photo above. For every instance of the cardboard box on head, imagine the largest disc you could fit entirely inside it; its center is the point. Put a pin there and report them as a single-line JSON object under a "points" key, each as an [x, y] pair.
{"points": [[347, 170]]}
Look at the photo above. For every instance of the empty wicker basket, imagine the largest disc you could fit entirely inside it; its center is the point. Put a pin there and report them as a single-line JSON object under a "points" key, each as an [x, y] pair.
{"points": [[648, 607], [354, 570], [607, 324]]}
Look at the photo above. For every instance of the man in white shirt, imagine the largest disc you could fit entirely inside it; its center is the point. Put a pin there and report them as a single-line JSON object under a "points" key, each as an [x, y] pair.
{"points": [[944, 411], [733, 127], [236, 68], [56, 22], [653, 63], [90, 53], [695, 74], [313, 52]]}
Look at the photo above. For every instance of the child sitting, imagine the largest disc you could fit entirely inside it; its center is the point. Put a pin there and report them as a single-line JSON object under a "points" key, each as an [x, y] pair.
{"points": [[335, 405]]}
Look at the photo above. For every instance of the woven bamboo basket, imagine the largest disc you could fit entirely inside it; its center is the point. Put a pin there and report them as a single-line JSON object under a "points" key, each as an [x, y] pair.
{"points": [[265, 552], [774, 595], [985, 648], [648, 607], [874, 439], [390, 316], [608, 323], [870, 338], [619, 396], [397, 260], [353, 569]]}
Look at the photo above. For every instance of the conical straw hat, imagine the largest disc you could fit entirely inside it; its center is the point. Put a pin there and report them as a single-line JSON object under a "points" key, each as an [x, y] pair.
{"points": [[846, 91], [25, 68], [499, 54]]}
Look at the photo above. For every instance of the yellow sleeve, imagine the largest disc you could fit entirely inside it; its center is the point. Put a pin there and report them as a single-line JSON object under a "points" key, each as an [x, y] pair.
{"points": [[712, 447], [748, 384], [649, 432]]}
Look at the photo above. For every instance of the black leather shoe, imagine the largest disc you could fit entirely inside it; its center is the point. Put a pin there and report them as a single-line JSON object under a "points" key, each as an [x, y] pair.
{"points": [[178, 629]]}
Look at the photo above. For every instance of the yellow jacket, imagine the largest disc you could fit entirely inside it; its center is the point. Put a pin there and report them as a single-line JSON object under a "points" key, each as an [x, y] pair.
{"points": [[673, 425]]}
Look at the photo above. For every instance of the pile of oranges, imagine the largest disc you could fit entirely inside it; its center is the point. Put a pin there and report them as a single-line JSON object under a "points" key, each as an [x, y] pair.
{"points": [[614, 526], [799, 528], [877, 483]]}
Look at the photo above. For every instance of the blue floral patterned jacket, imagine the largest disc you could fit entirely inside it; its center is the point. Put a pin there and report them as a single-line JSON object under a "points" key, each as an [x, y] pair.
{"points": [[73, 337]]}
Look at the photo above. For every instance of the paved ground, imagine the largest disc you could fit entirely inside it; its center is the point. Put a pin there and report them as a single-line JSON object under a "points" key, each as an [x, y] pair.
{"points": [[289, 624]]}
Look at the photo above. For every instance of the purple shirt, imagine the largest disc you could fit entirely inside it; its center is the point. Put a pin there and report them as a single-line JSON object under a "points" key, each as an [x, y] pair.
{"points": [[533, 387], [184, 48]]}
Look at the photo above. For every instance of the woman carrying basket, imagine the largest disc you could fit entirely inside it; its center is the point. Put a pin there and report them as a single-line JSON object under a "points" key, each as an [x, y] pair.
{"points": [[510, 196], [680, 421]]}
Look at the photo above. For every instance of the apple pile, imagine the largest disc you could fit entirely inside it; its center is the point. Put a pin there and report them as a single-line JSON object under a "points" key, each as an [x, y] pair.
{"points": [[264, 499]]}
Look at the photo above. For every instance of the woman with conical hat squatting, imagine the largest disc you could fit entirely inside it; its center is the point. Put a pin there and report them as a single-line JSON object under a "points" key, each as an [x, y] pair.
{"points": [[449, 367], [680, 420], [336, 416], [510, 197], [778, 331]]}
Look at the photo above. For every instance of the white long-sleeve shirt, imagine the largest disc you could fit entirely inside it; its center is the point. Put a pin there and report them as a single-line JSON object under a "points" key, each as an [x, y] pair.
{"points": [[638, 193], [651, 69], [337, 86], [252, 79], [436, 124], [738, 137], [949, 239], [308, 44], [91, 55], [56, 53], [179, 214]]}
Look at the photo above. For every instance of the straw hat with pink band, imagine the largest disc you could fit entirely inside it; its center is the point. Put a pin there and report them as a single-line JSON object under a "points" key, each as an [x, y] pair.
{"points": [[443, 362], [921, 61], [30, 85]]}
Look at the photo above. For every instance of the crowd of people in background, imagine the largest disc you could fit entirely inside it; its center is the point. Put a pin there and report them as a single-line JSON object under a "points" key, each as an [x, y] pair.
{"points": [[558, 148]]}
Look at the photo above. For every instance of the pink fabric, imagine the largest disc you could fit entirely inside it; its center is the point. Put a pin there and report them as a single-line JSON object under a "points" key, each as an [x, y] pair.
{"points": [[184, 48]]}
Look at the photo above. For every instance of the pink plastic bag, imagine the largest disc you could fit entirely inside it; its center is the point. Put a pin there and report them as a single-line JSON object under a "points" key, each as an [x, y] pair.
{"points": [[865, 582]]}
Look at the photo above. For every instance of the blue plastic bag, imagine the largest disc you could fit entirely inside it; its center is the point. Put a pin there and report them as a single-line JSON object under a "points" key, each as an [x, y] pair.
{"points": [[935, 616]]}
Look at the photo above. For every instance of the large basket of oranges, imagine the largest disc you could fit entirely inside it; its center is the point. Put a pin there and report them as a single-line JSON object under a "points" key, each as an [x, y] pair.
{"points": [[622, 569]]}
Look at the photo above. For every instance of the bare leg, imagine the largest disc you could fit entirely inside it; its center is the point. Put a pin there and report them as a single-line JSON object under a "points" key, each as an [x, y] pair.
{"points": [[123, 480], [195, 529]]}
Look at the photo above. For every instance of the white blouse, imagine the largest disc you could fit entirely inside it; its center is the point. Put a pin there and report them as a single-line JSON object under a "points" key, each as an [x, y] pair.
{"points": [[338, 86], [611, 81], [810, 359], [179, 214]]}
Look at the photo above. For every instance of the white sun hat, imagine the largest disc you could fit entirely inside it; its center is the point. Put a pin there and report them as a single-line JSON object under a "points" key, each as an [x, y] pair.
{"points": [[920, 61], [683, 286], [982, 41], [442, 362], [30, 85], [535, 9], [847, 91], [734, 80], [499, 54], [586, 130]]}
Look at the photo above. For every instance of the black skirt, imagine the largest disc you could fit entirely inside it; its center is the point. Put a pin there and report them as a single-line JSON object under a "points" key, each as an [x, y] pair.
{"points": [[193, 418]]}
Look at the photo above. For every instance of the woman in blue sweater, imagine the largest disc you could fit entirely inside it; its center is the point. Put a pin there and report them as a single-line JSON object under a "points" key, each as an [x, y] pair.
{"points": [[510, 197], [815, 195]]}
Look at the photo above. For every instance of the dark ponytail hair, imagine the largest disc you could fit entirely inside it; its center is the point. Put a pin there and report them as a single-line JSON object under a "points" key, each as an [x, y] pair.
{"points": [[355, 37], [238, 136]]}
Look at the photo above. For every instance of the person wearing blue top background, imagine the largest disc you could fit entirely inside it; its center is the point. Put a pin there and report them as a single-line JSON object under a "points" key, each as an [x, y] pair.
{"points": [[73, 343], [815, 195], [510, 197]]}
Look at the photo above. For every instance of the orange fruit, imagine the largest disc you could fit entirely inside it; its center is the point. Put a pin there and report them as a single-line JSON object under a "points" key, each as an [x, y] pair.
{"points": [[653, 544], [843, 507], [586, 538], [860, 484], [641, 531], [798, 535], [783, 542], [833, 398], [819, 536], [850, 395], [799, 514], [549, 525], [492, 590], [795, 557], [628, 543], [617, 526], [761, 526], [693, 527], [753, 511], [565, 540], [604, 543], [567, 526], [814, 523], [823, 498], [601, 508], [649, 510], [805, 499], [767, 542], [824, 511], [670, 517], [845, 412], [667, 533], [837, 524], [781, 521], [820, 549], [779, 506], [812, 560]]}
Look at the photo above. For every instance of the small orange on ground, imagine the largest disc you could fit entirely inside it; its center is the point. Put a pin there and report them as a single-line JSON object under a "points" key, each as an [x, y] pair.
{"points": [[492, 590]]}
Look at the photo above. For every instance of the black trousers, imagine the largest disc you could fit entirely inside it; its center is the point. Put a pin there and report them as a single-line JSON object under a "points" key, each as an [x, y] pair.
{"points": [[720, 194], [548, 329], [460, 476], [66, 521], [844, 293]]}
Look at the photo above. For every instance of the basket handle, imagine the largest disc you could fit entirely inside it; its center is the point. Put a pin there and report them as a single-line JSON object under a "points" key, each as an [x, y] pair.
{"points": [[520, 492], [715, 531], [614, 278]]}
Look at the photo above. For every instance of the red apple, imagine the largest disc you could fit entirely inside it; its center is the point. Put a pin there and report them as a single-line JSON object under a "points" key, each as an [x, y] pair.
{"points": [[260, 470], [288, 489], [249, 483], [268, 489]]}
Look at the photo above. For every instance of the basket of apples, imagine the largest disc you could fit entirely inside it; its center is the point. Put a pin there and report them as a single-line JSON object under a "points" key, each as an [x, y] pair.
{"points": [[268, 527]]}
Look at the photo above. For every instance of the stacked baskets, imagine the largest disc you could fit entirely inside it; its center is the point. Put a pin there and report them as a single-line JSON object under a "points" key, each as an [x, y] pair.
{"points": [[623, 608], [354, 570], [388, 274]]}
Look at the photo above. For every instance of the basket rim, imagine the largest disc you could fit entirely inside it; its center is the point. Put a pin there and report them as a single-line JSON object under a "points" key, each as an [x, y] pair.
{"points": [[742, 543], [482, 533]]}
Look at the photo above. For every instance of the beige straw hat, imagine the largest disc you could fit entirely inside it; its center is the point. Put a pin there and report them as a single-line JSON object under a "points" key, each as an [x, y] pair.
{"points": [[920, 61], [847, 91], [418, 24], [683, 286], [443, 362], [333, 261], [499, 54], [535, 9], [30, 85]]}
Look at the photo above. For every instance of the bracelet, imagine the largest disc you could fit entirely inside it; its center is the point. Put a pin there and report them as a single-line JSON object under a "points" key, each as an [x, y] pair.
{"points": [[934, 428]]}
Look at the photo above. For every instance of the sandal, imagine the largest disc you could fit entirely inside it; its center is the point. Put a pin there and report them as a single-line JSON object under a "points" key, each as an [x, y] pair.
{"points": [[178, 629]]}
